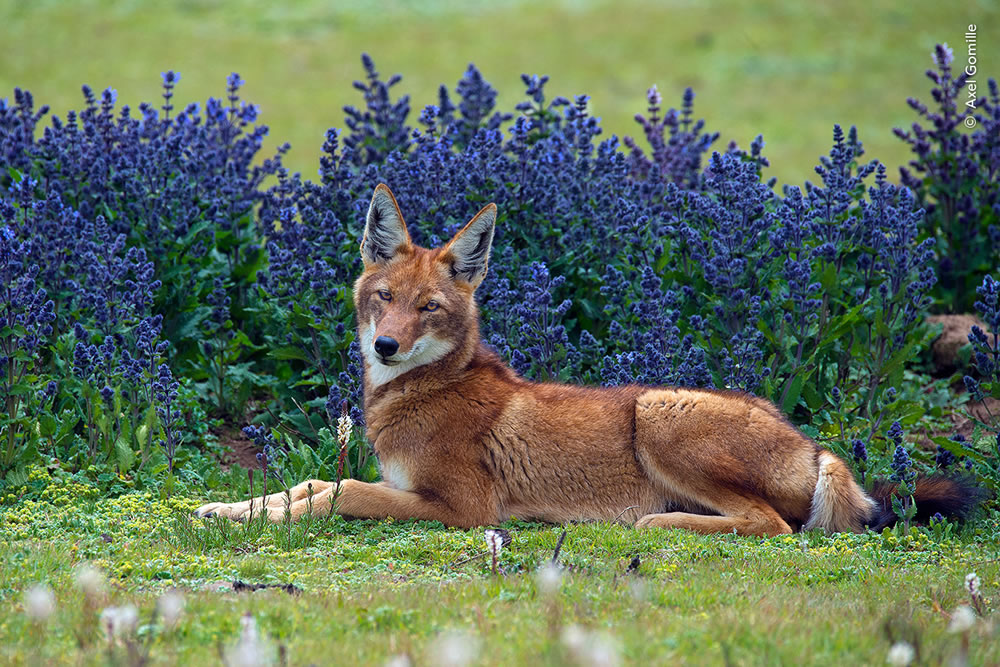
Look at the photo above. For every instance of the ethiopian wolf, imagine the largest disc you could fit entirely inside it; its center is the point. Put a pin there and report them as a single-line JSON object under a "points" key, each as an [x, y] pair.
{"points": [[464, 440]]}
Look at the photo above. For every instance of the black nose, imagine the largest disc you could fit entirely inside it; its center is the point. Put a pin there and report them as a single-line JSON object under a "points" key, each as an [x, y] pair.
{"points": [[386, 346]]}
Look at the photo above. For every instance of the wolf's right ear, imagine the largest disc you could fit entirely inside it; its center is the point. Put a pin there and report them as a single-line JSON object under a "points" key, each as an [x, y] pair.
{"points": [[385, 231]]}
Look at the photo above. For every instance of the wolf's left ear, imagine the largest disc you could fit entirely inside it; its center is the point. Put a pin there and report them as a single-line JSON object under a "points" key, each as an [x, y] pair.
{"points": [[469, 251], [385, 231]]}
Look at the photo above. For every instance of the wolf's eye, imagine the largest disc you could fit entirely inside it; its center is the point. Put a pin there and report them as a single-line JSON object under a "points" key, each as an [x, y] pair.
{"points": [[431, 306], [385, 295]]}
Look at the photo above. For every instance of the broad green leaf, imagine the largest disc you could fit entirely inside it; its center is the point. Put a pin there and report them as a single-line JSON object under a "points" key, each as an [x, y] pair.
{"points": [[794, 392], [124, 454]]}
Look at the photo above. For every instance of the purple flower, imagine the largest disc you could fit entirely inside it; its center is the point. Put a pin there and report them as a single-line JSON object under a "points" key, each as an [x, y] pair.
{"points": [[953, 174], [859, 450], [902, 465]]}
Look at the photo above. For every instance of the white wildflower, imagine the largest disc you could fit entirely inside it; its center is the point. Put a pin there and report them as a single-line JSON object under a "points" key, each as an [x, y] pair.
{"points": [[593, 649], [344, 427], [39, 603], [170, 605], [604, 651], [248, 627], [119, 621], [494, 542], [574, 638], [453, 649], [972, 584], [90, 581], [250, 650], [901, 654], [962, 619], [548, 578], [638, 588], [401, 660]]}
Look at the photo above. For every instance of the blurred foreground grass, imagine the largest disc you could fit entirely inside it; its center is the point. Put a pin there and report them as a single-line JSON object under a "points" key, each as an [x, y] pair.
{"points": [[371, 590], [785, 69]]}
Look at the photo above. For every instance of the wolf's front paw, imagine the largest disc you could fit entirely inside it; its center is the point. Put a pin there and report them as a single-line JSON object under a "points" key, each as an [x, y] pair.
{"points": [[206, 511], [226, 510]]}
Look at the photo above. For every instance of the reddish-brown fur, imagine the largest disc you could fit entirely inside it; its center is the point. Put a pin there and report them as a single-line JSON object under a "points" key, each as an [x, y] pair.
{"points": [[463, 440]]}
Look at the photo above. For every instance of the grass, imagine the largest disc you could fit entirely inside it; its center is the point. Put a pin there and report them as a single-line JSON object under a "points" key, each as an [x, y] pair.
{"points": [[373, 590], [781, 68]]}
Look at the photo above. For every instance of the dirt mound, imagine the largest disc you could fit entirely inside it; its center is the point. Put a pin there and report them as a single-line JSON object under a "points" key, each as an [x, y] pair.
{"points": [[945, 347]]}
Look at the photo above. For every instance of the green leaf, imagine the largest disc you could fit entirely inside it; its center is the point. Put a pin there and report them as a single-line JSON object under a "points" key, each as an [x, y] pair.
{"points": [[149, 423], [47, 425], [768, 333], [242, 340], [897, 507], [794, 392], [194, 233], [28, 453], [20, 389], [68, 421], [22, 356], [246, 271], [224, 240], [957, 448], [169, 484], [109, 212], [813, 400], [288, 352], [844, 323], [124, 454], [829, 278], [896, 361], [17, 477]]}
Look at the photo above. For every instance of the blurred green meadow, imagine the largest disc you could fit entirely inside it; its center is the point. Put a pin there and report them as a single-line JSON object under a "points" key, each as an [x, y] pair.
{"points": [[784, 69], [371, 592]]}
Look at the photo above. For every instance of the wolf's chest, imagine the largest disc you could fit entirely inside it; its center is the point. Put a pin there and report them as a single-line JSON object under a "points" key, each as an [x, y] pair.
{"points": [[396, 473]]}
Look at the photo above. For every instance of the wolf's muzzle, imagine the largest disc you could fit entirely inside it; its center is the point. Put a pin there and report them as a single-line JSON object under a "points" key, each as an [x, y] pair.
{"points": [[386, 346]]}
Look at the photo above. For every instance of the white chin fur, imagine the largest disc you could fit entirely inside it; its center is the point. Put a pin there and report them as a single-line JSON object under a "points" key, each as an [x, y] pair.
{"points": [[427, 349]]}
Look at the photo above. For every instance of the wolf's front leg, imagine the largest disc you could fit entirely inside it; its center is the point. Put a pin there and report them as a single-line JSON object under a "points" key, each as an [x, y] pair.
{"points": [[248, 508], [379, 501]]}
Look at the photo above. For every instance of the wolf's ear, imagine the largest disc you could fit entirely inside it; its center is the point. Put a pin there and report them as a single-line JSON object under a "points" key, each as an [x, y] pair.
{"points": [[385, 231], [469, 251]]}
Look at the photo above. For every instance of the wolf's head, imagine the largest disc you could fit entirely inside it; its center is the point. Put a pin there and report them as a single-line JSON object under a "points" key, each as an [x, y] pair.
{"points": [[415, 306]]}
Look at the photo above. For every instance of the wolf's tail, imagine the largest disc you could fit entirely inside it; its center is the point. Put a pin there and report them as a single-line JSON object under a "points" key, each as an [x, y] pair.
{"points": [[839, 504], [953, 497]]}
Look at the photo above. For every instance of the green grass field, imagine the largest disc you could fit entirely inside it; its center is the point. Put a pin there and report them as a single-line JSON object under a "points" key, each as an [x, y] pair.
{"points": [[785, 69], [372, 591]]}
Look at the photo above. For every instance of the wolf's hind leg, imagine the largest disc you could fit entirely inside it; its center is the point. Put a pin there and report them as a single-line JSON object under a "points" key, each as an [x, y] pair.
{"points": [[745, 515], [274, 501]]}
